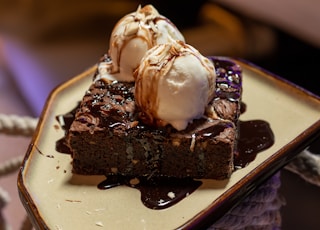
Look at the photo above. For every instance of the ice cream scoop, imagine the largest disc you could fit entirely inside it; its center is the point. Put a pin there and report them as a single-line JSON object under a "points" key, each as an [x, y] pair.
{"points": [[133, 35], [174, 84]]}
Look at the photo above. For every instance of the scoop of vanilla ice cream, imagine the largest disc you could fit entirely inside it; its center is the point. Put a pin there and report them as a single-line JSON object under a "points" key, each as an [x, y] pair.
{"points": [[136, 33], [174, 84]]}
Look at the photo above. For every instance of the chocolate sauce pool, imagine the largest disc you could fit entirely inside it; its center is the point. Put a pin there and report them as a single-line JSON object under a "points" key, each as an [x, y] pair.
{"points": [[254, 137], [156, 193], [160, 193]]}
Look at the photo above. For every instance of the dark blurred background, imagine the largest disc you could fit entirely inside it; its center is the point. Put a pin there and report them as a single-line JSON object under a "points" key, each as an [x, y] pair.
{"points": [[44, 43]]}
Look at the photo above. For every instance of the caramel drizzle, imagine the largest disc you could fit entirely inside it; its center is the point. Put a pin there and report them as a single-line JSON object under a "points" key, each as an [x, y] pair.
{"points": [[159, 64], [145, 20]]}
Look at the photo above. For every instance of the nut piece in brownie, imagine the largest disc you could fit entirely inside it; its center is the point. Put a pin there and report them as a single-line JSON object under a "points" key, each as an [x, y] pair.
{"points": [[108, 136]]}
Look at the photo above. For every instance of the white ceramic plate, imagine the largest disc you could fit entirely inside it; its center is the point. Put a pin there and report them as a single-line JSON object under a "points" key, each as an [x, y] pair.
{"points": [[57, 199]]}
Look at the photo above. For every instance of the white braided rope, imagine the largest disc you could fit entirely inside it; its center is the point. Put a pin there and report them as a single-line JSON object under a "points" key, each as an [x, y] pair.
{"points": [[19, 126], [6, 168], [16, 125], [10, 166], [4, 199], [307, 166]]}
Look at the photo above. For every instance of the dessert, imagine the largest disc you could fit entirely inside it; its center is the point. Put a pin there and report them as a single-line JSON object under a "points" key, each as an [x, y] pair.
{"points": [[107, 138], [169, 112]]}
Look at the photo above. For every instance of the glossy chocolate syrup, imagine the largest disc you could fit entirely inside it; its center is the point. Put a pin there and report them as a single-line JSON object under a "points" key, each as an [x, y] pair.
{"points": [[159, 193], [254, 137], [156, 193]]}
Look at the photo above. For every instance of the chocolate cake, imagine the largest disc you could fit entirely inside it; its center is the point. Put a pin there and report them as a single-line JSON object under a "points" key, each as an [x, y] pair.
{"points": [[108, 135]]}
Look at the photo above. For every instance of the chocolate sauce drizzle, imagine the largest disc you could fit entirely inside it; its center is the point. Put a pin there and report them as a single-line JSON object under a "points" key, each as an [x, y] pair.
{"points": [[160, 193]]}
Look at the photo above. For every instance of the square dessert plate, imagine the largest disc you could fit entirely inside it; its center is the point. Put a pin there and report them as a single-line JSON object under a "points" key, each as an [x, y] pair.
{"points": [[57, 199]]}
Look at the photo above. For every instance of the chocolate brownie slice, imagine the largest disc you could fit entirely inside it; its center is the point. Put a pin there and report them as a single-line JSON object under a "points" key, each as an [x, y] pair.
{"points": [[108, 137]]}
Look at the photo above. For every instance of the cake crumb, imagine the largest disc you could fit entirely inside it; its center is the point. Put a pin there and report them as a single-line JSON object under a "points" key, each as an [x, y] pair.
{"points": [[135, 161], [176, 142], [134, 181], [58, 227], [61, 121], [73, 201], [99, 223], [114, 170], [99, 209], [171, 195], [193, 143]]}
